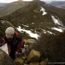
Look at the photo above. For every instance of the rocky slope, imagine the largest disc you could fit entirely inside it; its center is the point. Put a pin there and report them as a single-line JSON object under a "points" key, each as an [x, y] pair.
{"points": [[36, 18], [23, 60], [5, 59]]}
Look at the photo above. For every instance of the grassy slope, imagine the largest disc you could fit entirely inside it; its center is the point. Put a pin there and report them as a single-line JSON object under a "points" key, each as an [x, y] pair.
{"points": [[12, 7]]}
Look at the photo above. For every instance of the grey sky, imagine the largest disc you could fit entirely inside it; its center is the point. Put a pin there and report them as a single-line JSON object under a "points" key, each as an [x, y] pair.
{"points": [[53, 0], [8, 1]]}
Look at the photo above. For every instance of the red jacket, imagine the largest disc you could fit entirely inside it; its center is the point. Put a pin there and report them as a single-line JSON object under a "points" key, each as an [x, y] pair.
{"points": [[19, 42]]}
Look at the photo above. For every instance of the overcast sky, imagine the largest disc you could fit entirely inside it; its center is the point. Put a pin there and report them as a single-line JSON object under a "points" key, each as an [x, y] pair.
{"points": [[8, 1]]}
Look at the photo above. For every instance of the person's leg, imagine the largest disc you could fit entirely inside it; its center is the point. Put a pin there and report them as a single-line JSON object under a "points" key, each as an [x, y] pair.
{"points": [[12, 55]]}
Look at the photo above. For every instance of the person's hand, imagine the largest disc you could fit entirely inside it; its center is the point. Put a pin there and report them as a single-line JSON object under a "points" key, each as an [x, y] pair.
{"points": [[17, 54], [23, 50]]}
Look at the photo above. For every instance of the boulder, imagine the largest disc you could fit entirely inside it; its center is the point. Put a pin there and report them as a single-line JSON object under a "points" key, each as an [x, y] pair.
{"points": [[26, 64], [44, 62], [19, 61], [34, 56], [29, 44], [34, 63], [30, 41], [24, 57], [5, 59]]}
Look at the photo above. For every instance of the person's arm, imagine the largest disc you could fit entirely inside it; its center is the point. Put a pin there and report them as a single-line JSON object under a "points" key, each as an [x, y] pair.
{"points": [[20, 46], [2, 42]]}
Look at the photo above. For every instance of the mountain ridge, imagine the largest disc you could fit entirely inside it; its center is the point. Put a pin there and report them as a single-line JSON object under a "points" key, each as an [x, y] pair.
{"points": [[38, 17], [12, 7]]}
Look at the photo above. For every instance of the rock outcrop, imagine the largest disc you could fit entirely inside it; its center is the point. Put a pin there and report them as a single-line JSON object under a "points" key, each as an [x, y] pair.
{"points": [[29, 44], [33, 58], [5, 59]]}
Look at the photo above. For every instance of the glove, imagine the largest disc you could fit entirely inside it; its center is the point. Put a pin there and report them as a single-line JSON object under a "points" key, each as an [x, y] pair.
{"points": [[17, 54], [23, 50]]}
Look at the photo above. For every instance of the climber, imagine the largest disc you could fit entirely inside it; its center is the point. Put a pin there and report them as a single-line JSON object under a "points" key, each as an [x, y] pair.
{"points": [[15, 43]]}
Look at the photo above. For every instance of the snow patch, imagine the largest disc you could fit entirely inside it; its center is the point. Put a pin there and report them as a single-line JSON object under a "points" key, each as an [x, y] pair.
{"points": [[44, 31], [32, 23], [57, 29], [25, 25], [4, 48], [31, 34], [56, 21], [44, 12], [49, 32]]}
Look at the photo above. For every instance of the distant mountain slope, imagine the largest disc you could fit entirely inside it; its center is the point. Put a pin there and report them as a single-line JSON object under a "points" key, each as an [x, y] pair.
{"points": [[60, 4], [3, 4], [10, 8]]}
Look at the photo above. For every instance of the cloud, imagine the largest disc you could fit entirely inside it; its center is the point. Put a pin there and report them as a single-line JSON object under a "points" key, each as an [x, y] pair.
{"points": [[7, 1], [27, 0], [52, 0]]}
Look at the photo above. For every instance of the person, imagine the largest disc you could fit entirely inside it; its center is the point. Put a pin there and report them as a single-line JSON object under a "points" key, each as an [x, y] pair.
{"points": [[15, 43]]}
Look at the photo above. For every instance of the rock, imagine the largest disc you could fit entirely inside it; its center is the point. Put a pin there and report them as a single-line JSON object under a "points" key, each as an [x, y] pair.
{"points": [[26, 64], [36, 10], [24, 57], [30, 41], [34, 63], [44, 62], [26, 46], [5, 59], [29, 44], [34, 16], [34, 56], [19, 61]]}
